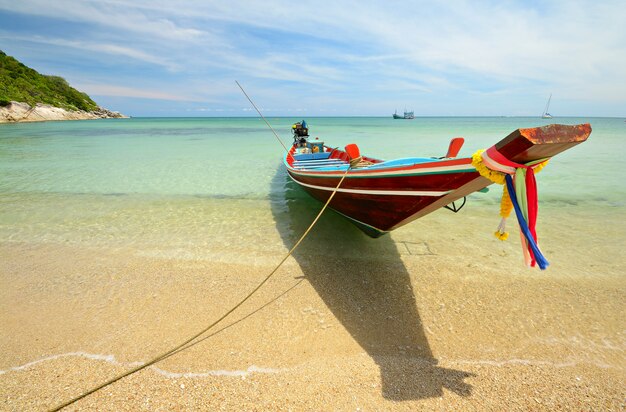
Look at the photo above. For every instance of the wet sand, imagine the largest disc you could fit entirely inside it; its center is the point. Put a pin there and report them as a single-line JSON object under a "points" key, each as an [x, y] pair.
{"points": [[433, 317]]}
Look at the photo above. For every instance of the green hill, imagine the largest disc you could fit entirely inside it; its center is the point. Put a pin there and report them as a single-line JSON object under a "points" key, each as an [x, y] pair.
{"points": [[23, 84]]}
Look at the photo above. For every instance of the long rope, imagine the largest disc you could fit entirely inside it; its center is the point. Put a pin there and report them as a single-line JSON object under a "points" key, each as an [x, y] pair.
{"points": [[238, 320], [264, 119], [178, 347]]}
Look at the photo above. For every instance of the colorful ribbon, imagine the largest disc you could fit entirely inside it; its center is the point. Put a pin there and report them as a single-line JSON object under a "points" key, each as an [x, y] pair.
{"points": [[531, 252], [523, 193]]}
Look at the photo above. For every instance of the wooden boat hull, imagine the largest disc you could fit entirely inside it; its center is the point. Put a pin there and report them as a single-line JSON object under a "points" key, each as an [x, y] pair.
{"points": [[379, 199]]}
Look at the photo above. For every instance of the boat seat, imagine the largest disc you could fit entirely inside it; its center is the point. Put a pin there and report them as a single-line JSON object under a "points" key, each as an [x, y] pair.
{"points": [[316, 164], [311, 156], [336, 166]]}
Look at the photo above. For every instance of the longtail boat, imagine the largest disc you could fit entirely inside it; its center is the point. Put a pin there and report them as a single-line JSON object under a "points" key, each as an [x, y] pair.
{"points": [[379, 196]]}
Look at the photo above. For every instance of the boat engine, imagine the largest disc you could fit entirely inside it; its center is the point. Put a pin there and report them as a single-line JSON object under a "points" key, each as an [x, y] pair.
{"points": [[300, 132]]}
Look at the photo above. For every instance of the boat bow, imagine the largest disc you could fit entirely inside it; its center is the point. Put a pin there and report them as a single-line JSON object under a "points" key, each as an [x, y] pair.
{"points": [[380, 196]]}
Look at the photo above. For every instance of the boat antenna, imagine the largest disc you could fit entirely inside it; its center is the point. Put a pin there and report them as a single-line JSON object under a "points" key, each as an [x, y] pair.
{"points": [[263, 117]]}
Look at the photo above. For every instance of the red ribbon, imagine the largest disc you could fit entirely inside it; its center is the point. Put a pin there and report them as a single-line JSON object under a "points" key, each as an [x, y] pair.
{"points": [[531, 193]]}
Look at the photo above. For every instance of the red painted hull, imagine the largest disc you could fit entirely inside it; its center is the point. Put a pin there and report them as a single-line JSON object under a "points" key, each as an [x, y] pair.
{"points": [[380, 198], [382, 211]]}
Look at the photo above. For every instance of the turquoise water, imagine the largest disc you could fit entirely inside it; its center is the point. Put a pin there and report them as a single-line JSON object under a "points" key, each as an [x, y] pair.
{"points": [[191, 180]]}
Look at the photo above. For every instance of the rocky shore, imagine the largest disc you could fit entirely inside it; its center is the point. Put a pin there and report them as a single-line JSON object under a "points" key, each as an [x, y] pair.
{"points": [[22, 112]]}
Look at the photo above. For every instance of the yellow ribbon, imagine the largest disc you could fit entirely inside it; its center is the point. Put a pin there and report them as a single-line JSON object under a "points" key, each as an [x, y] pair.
{"points": [[498, 177]]}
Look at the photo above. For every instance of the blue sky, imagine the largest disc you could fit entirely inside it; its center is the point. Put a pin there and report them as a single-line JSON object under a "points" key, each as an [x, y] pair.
{"points": [[329, 58]]}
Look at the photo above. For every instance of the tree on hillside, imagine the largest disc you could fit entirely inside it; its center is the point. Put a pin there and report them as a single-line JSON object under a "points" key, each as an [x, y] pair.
{"points": [[23, 84]]}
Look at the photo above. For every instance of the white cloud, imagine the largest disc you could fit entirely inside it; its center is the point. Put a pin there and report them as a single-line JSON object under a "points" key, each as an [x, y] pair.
{"points": [[108, 48], [122, 91], [575, 49], [116, 15]]}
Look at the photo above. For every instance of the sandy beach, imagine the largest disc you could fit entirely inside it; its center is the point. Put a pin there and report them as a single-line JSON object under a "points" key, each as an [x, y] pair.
{"points": [[126, 232], [424, 319]]}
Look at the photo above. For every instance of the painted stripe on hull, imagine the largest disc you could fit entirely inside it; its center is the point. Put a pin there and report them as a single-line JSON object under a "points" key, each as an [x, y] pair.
{"points": [[435, 185], [415, 170], [376, 192]]}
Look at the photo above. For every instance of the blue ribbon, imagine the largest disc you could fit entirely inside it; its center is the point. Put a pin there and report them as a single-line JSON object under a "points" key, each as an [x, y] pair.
{"points": [[539, 258]]}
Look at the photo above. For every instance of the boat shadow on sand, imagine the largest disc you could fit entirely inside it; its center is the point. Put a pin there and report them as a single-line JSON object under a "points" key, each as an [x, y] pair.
{"points": [[366, 286]]}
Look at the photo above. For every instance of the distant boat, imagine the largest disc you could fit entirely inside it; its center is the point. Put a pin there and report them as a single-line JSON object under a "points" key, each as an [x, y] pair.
{"points": [[546, 114], [407, 115]]}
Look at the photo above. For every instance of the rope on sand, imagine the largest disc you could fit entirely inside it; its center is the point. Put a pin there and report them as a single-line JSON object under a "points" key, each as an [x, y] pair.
{"points": [[189, 340]]}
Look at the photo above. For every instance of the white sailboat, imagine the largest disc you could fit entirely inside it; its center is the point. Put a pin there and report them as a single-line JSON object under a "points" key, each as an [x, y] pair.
{"points": [[546, 114]]}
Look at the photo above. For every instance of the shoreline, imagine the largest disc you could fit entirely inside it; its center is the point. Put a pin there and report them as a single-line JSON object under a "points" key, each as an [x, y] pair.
{"points": [[18, 112], [399, 334], [118, 241]]}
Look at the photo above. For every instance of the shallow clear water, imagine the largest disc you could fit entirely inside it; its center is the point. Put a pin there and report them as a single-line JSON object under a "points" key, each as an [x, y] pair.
{"points": [[218, 182]]}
